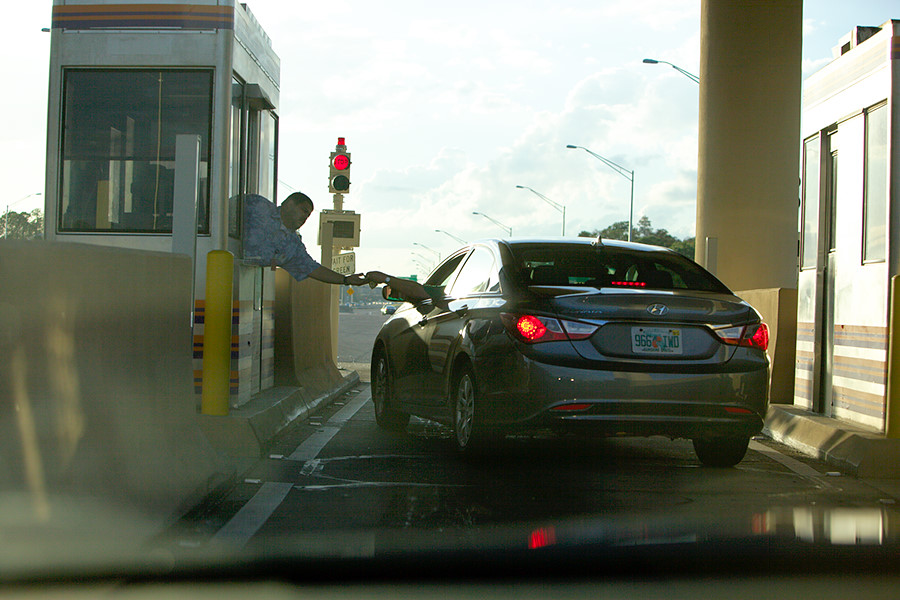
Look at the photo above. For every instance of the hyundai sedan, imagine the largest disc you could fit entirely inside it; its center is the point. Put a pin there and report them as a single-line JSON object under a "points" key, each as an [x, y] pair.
{"points": [[596, 336]]}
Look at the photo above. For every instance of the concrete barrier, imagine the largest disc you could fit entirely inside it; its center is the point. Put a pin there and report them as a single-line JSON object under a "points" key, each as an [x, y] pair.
{"points": [[96, 383], [306, 377], [303, 340]]}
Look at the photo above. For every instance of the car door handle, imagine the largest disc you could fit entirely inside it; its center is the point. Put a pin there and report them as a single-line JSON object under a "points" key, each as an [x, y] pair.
{"points": [[462, 310]]}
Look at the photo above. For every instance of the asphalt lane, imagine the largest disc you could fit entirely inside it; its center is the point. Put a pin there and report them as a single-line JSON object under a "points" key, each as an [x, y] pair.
{"points": [[341, 474], [338, 473]]}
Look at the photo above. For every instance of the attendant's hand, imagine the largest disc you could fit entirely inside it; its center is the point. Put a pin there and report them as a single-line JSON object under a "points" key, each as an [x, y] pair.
{"points": [[356, 279], [375, 278]]}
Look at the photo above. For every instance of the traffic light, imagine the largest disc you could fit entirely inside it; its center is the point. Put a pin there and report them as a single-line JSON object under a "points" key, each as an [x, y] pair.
{"points": [[339, 169]]}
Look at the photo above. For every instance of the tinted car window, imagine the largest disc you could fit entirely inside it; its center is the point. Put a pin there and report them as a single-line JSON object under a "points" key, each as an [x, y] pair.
{"points": [[478, 275], [611, 266], [444, 275]]}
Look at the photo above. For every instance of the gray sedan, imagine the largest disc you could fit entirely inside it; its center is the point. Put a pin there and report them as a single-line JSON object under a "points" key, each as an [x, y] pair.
{"points": [[597, 336]]}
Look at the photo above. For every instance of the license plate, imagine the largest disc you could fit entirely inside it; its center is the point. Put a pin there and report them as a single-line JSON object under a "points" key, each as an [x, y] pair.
{"points": [[655, 340]]}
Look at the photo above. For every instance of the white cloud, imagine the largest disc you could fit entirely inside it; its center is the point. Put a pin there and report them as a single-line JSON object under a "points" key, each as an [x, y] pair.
{"points": [[619, 112], [447, 108]]}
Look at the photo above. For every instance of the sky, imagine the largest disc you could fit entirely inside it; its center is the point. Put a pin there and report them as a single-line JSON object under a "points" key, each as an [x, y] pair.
{"points": [[447, 108]]}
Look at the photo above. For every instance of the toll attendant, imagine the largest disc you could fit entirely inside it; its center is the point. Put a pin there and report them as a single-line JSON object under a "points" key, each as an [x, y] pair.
{"points": [[271, 239]]}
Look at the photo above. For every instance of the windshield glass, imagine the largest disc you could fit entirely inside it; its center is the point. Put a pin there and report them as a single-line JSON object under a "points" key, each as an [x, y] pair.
{"points": [[611, 266], [293, 285]]}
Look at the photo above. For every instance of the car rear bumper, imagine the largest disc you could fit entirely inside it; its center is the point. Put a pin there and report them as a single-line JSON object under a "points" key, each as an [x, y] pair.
{"points": [[675, 419], [678, 404]]}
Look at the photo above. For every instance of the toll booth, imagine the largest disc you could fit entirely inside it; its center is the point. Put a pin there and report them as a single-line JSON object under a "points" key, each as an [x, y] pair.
{"points": [[161, 118], [849, 247]]}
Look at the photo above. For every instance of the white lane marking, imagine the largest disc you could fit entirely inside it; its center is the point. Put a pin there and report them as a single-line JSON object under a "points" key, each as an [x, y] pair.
{"points": [[377, 484], [312, 445], [247, 521], [796, 466], [309, 467], [238, 531]]}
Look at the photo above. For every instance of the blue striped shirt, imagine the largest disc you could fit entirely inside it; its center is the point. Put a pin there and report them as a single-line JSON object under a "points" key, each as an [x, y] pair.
{"points": [[266, 239]]}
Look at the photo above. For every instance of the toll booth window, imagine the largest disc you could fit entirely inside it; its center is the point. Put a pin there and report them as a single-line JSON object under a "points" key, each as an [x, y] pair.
{"points": [[118, 147], [810, 212], [876, 201], [235, 159]]}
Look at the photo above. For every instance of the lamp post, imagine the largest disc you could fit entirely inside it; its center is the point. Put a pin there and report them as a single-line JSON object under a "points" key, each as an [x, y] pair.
{"points": [[629, 175], [429, 249], [691, 76], [425, 269], [458, 239], [426, 263], [6, 215], [495, 222], [555, 205]]}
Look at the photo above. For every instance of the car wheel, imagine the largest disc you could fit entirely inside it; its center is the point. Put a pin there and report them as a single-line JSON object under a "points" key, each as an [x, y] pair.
{"points": [[467, 436], [385, 417], [721, 451]]}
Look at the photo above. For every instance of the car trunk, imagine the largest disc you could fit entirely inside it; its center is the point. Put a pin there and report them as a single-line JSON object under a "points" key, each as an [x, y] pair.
{"points": [[653, 326]]}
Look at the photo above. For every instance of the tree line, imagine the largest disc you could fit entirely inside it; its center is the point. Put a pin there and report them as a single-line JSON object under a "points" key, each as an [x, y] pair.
{"points": [[22, 225], [30, 225], [644, 233]]}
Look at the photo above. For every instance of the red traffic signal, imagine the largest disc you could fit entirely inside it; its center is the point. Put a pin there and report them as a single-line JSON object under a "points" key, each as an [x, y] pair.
{"points": [[339, 167], [341, 162]]}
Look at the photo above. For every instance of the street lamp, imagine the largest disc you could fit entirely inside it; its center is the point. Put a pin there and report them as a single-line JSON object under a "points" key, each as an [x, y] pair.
{"points": [[423, 268], [691, 76], [6, 216], [429, 249], [629, 175], [423, 260], [495, 222], [555, 205], [460, 240]]}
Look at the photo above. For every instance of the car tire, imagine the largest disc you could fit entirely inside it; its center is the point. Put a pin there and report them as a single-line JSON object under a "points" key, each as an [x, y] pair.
{"points": [[386, 418], [721, 451], [467, 435]]}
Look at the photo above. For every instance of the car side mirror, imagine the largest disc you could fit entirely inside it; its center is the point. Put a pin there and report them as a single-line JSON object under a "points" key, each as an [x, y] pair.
{"points": [[387, 294]]}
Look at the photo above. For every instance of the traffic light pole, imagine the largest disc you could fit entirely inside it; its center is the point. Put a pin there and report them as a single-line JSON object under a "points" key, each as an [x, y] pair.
{"points": [[338, 228], [338, 185], [327, 233]]}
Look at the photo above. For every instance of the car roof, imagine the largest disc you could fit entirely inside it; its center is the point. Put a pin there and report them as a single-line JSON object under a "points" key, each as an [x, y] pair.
{"points": [[573, 240]]}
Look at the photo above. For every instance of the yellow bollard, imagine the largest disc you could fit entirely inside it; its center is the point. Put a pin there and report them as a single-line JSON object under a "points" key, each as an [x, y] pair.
{"points": [[892, 410], [217, 333]]}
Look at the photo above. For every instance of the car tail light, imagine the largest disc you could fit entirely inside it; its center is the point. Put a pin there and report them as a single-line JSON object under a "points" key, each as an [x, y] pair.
{"points": [[541, 538], [533, 329], [757, 336], [579, 331], [750, 336], [575, 406]]}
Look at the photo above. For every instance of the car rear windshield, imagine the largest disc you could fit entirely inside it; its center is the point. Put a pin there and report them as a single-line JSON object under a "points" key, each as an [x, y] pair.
{"points": [[610, 266]]}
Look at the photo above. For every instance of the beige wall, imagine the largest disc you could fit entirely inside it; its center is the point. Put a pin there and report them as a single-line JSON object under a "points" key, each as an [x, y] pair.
{"points": [[778, 308], [96, 382]]}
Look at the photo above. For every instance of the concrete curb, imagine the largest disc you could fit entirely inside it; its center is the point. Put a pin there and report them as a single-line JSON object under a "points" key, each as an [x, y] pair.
{"points": [[247, 432], [851, 449]]}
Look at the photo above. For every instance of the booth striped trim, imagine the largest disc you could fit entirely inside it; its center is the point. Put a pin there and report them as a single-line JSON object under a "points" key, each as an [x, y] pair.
{"points": [[805, 359], [142, 16]]}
